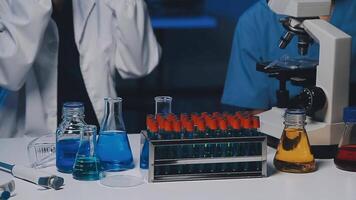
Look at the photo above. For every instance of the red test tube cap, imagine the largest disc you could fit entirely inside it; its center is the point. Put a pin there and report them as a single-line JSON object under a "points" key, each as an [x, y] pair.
{"points": [[183, 117], [168, 126], [256, 122], [201, 125], [154, 127], [161, 123], [177, 126], [171, 117], [246, 123], [223, 125], [239, 115], [213, 124], [235, 124], [189, 126]]}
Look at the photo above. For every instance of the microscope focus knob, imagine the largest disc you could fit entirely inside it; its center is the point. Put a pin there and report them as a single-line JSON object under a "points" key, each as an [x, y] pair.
{"points": [[312, 99]]}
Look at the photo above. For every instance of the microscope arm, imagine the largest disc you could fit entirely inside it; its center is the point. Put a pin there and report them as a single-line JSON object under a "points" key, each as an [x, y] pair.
{"points": [[334, 67]]}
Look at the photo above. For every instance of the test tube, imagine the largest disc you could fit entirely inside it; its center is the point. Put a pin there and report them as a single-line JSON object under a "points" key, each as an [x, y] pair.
{"points": [[163, 105]]}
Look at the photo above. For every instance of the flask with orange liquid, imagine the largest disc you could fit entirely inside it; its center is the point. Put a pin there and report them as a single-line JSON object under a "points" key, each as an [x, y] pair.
{"points": [[293, 152]]}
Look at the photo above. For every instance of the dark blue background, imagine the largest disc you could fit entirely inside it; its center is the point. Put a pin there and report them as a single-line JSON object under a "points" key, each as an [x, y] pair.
{"points": [[196, 38], [194, 59]]}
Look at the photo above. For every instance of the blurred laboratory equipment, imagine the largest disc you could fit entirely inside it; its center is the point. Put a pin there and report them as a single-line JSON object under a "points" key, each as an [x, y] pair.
{"points": [[7, 186], [174, 8], [113, 147], [293, 152], [327, 80], [41, 151], [345, 158], [4, 195], [87, 165], [33, 175], [68, 135], [123, 179], [163, 105]]}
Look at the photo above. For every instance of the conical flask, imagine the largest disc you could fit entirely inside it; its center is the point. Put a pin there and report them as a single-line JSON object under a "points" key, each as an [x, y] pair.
{"points": [[87, 165], [345, 158], [113, 147], [293, 152]]}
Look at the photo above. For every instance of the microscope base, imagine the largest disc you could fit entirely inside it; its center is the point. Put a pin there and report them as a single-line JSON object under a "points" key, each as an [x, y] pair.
{"points": [[323, 137]]}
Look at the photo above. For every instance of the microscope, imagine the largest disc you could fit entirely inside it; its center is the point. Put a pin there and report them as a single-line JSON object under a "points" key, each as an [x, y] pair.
{"points": [[325, 83]]}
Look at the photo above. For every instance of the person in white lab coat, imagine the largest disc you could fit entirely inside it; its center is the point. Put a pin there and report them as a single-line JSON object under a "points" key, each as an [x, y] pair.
{"points": [[111, 35]]}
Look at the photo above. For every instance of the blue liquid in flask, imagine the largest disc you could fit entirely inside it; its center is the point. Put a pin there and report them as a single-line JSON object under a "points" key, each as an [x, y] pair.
{"points": [[114, 152], [66, 151], [87, 168]]}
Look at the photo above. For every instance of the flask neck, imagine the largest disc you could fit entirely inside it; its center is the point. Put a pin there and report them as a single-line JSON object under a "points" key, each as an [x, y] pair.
{"points": [[73, 116], [73, 111], [294, 126], [113, 115], [294, 120]]}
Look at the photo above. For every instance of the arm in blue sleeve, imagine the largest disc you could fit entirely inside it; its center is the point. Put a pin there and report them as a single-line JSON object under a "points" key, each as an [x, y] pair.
{"points": [[244, 86]]}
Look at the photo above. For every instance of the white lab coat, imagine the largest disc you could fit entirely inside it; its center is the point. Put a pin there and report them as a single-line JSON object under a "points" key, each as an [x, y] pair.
{"points": [[111, 35]]}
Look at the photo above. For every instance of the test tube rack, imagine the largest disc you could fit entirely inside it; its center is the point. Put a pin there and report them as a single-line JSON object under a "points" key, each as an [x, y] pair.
{"points": [[243, 156]]}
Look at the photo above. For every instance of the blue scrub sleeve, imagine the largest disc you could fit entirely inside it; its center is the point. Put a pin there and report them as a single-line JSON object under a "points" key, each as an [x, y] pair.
{"points": [[244, 86], [344, 17]]}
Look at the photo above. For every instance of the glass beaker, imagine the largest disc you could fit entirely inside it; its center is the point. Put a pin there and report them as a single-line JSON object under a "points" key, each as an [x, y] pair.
{"points": [[113, 147], [293, 152], [163, 105], [68, 135], [345, 158], [42, 151], [87, 164]]}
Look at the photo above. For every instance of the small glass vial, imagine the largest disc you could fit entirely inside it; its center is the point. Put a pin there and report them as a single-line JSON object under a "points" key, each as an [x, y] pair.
{"points": [[293, 153], [42, 151], [163, 105], [68, 135], [345, 158]]}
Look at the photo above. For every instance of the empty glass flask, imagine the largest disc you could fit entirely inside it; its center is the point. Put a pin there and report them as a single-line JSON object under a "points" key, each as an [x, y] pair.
{"points": [[113, 147], [293, 152]]}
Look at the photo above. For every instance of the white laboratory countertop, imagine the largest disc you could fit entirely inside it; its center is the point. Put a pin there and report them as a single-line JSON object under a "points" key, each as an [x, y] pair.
{"points": [[326, 183]]}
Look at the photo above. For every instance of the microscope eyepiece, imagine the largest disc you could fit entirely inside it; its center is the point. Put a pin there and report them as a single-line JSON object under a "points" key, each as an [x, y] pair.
{"points": [[292, 25]]}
